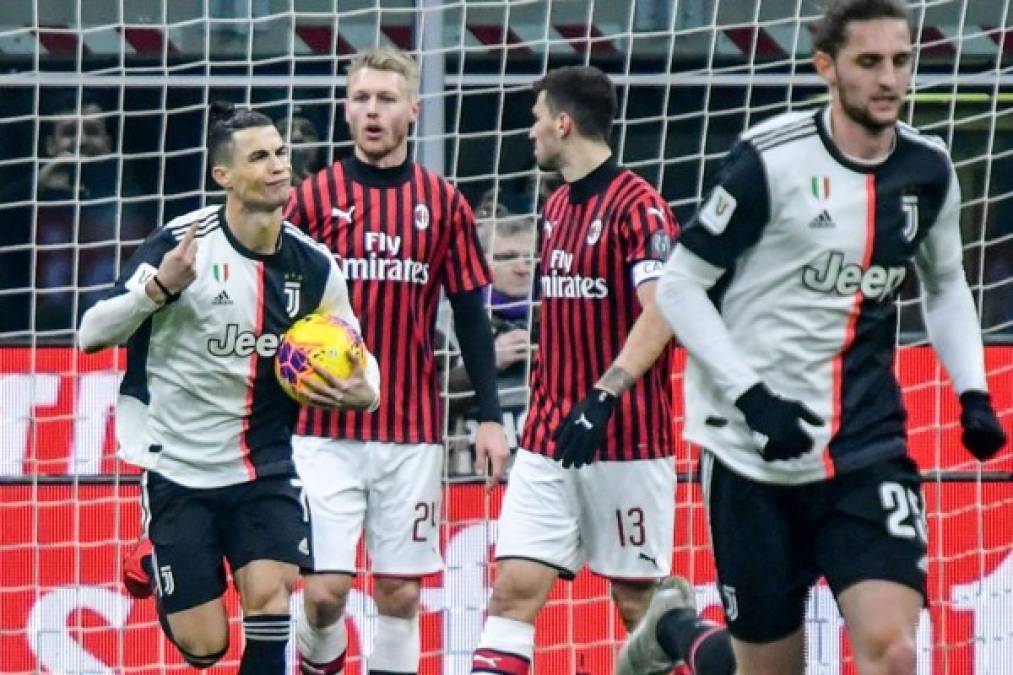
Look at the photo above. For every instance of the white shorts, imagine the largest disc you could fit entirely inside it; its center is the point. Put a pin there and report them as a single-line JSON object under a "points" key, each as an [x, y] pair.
{"points": [[618, 517], [393, 489]]}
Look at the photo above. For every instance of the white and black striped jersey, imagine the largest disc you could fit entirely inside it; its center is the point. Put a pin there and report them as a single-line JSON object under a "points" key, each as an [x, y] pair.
{"points": [[199, 402], [814, 246]]}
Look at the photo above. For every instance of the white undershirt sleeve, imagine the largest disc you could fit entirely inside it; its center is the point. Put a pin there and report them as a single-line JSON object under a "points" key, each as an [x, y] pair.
{"points": [[682, 298], [947, 306], [112, 321]]}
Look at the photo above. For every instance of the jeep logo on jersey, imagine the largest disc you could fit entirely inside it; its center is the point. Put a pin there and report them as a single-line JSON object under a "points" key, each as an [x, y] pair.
{"points": [[836, 276], [594, 232], [243, 343], [421, 217]]}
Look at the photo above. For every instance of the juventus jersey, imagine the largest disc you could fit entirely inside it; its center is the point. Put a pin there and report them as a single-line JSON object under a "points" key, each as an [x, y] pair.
{"points": [[602, 237], [199, 402], [815, 246], [400, 234]]}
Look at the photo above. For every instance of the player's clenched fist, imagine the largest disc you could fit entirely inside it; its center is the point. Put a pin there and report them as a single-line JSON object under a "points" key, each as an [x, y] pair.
{"points": [[983, 434], [179, 266]]}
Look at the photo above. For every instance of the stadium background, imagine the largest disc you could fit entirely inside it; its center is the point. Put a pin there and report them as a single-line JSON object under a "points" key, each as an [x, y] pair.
{"points": [[692, 75]]}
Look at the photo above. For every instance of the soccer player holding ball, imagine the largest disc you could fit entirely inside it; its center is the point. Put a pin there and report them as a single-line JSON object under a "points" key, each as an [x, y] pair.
{"points": [[202, 307]]}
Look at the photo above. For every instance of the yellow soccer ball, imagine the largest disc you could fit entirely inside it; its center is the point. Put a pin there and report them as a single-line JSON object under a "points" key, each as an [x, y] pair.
{"points": [[317, 339]]}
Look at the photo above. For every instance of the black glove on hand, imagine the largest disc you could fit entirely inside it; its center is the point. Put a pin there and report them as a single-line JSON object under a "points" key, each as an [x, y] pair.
{"points": [[582, 431], [777, 419], [983, 435]]}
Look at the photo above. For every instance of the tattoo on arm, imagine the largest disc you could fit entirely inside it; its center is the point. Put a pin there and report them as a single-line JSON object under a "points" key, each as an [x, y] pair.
{"points": [[616, 380]]}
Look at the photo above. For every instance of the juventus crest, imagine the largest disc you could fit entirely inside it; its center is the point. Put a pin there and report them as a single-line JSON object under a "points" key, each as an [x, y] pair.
{"points": [[293, 291], [909, 204]]}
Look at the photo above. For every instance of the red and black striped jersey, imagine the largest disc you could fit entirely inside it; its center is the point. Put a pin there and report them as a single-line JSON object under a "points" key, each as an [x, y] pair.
{"points": [[602, 236], [399, 234]]}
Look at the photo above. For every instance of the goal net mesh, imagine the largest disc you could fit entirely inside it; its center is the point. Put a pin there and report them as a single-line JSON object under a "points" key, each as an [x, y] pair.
{"points": [[102, 124]]}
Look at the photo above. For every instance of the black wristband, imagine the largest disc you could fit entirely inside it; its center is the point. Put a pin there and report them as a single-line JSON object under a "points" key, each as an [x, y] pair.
{"points": [[169, 295]]}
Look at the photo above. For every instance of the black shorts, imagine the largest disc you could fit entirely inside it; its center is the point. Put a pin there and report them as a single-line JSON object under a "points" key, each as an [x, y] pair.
{"points": [[193, 529], [772, 542]]}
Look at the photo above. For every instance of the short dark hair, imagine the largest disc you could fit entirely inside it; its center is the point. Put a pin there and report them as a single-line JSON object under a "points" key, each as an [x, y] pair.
{"points": [[225, 121], [586, 94], [829, 32]]}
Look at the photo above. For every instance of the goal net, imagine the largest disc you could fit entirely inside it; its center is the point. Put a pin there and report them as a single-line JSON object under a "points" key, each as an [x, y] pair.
{"points": [[102, 122]]}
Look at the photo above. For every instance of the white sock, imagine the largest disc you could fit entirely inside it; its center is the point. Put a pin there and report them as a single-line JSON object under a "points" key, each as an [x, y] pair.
{"points": [[396, 645], [508, 637], [320, 645]]}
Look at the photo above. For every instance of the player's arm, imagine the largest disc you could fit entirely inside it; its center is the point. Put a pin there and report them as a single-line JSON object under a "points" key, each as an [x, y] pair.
{"points": [[729, 223], [361, 390], [478, 351], [465, 273], [647, 234], [952, 325], [141, 290]]}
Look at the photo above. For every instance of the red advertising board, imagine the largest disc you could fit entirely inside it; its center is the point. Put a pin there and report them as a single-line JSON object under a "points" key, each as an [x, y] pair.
{"points": [[58, 403], [62, 609]]}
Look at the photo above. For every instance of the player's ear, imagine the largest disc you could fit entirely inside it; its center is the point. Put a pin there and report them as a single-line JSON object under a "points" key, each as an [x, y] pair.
{"points": [[824, 65], [564, 124], [222, 176]]}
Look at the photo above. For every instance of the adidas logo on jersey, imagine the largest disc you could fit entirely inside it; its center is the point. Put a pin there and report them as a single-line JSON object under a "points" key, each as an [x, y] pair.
{"points": [[822, 221], [222, 298]]}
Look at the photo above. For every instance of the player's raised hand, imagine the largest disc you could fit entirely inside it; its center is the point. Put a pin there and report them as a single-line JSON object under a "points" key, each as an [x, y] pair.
{"points": [[779, 420], [581, 433], [491, 448], [179, 266], [351, 393], [983, 434]]}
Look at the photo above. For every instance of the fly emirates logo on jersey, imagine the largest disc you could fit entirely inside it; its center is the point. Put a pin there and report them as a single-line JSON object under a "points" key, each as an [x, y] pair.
{"points": [[382, 262], [834, 275], [560, 283]]}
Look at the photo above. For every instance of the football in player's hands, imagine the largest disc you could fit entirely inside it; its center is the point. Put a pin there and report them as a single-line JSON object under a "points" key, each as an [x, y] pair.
{"points": [[582, 432], [779, 420], [983, 434]]}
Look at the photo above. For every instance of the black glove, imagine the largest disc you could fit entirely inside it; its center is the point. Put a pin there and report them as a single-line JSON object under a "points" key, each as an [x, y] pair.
{"points": [[580, 434], [983, 435], [779, 420]]}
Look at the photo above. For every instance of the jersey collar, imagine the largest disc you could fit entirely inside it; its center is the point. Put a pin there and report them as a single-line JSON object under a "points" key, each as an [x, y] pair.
{"points": [[594, 182], [823, 129], [236, 244], [372, 176]]}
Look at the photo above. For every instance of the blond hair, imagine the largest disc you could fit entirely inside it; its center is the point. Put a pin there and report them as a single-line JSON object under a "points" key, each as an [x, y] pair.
{"points": [[392, 60]]}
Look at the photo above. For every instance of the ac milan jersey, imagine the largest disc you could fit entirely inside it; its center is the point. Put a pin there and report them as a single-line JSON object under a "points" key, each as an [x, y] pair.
{"points": [[602, 236], [199, 402], [399, 234], [816, 246]]}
